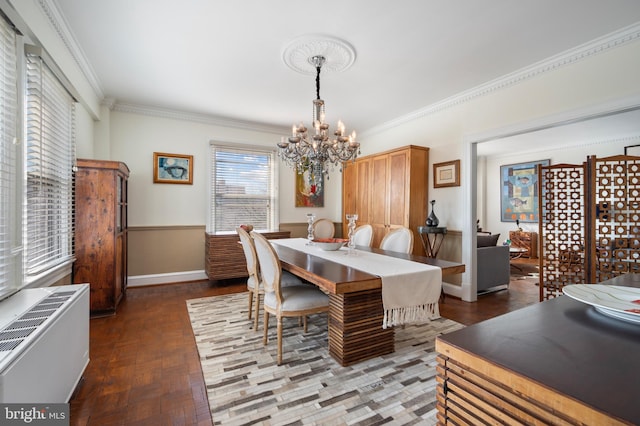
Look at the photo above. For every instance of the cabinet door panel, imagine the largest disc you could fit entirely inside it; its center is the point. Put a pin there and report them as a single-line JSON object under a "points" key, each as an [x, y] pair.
{"points": [[349, 192], [379, 198], [362, 195], [398, 187]]}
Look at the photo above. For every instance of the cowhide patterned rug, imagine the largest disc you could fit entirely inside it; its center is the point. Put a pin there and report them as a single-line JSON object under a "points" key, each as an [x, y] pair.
{"points": [[245, 385]]}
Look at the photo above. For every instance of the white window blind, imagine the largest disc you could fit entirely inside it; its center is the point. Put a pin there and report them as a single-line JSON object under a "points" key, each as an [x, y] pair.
{"points": [[243, 189], [8, 126], [50, 115]]}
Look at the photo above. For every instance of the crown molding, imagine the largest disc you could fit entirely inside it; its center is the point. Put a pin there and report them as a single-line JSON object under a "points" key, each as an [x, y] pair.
{"points": [[585, 146], [60, 25], [198, 118], [610, 41]]}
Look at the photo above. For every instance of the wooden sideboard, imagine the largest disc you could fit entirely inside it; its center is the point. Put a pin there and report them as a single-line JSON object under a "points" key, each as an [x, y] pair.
{"points": [[559, 362], [525, 240], [224, 257]]}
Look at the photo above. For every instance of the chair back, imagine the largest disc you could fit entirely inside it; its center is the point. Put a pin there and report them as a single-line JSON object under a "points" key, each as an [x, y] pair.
{"points": [[363, 235], [323, 228], [249, 249], [400, 240], [270, 267]]}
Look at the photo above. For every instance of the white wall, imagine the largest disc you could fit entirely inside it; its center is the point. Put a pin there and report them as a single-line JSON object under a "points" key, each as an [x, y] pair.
{"points": [[134, 139], [84, 133]]}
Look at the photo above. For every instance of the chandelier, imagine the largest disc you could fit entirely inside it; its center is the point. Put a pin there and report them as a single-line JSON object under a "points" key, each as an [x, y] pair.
{"points": [[315, 152]]}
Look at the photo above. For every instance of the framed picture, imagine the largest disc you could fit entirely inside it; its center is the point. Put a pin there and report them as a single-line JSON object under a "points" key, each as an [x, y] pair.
{"points": [[632, 150], [172, 168], [308, 194], [446, 174], [519, 196]]}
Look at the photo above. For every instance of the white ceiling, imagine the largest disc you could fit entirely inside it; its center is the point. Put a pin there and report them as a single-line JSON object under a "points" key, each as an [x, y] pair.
{"points": [[223, 58]]}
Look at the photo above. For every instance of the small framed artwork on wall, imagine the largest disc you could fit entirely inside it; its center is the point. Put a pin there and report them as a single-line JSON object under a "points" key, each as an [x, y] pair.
{"points": [[172, 168], [446, 174]]}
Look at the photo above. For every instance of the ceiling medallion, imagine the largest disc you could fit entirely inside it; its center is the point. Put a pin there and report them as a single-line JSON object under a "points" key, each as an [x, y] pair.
{"points": [[339, 54]]}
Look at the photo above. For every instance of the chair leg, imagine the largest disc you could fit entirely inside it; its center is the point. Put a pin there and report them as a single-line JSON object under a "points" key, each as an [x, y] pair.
{"points": [[250, 303], [304, 322], [257, 313], [265, 324], [279, 320]]}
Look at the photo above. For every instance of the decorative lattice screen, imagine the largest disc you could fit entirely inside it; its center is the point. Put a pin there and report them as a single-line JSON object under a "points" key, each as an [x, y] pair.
{"points": [[562, 228], [589, 222]]}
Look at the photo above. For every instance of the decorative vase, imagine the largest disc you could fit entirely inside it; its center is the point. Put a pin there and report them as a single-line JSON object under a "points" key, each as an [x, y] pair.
{"points": [[432, 220]]}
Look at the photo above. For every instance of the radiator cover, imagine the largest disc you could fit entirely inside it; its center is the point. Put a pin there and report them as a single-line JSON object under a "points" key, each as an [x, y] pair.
{"points": [[44, 343]]}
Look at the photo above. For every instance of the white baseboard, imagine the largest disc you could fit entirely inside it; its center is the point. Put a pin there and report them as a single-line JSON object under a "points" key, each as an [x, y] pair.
{"points": [[452, 289], [169, 278]]}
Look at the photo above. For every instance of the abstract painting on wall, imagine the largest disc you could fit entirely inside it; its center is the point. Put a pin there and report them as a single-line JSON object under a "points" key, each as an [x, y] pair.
{"points": [[309, 194], [519, 196]]}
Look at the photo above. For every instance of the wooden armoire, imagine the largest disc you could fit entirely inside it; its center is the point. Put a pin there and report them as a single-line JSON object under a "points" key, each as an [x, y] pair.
{"points": [[388, 190], [101, 232]]}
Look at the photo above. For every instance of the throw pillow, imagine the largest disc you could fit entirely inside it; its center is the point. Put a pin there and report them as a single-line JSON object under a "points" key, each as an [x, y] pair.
{"points": [[488, 240]]}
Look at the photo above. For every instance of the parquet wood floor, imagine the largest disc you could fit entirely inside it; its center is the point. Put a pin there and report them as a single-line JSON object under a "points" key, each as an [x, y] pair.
{"points": [[144, 367]]}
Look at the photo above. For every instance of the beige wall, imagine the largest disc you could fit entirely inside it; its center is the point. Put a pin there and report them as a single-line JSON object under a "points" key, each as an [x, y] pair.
{"points": [[163, 250]]}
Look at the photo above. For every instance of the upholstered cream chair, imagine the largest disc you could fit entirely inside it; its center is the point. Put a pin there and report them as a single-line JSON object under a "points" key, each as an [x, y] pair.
{"points": [[280, 301], [400, 240], [254, 282], [323, 228], [363, 235]]}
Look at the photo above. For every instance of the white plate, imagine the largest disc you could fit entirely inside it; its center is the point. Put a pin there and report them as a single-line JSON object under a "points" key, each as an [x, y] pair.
{"points": [[615, 301]]}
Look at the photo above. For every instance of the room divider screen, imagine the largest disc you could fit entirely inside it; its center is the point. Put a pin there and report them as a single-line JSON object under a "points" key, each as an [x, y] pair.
{"points": [[589, 222]]}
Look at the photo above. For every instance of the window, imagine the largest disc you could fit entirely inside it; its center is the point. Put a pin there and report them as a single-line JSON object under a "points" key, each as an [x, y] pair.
{"points": [[8, 126], [243, 189], [49, 178]]}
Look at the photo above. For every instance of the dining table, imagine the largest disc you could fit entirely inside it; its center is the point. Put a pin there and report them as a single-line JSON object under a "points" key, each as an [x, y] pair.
{"points": [[356, 312]]}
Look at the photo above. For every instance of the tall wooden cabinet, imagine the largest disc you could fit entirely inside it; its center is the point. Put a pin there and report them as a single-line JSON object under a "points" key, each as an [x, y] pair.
{"points": [[388, 190], [101, 232]]}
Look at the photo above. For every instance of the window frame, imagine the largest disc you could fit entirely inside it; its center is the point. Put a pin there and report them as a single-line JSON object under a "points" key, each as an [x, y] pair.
{"points": [[273, 179]]}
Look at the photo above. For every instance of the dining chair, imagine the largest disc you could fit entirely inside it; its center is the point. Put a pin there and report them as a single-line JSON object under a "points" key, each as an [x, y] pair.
{"points": [[323, 228], [400, 240], [280, 301], [363, 235], [254, 282]]}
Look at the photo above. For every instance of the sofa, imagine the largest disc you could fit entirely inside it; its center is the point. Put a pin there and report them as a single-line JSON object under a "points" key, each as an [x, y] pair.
{"points": [[493, 268]]}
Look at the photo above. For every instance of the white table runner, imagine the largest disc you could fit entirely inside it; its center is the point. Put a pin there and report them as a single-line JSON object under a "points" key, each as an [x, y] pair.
{"points": [[410, 290]]}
